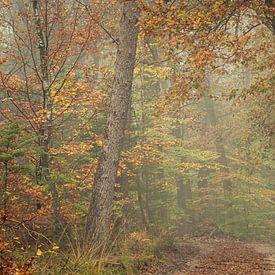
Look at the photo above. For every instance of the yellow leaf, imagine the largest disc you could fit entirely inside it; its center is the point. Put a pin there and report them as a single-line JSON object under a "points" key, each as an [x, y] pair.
{"points": [[39, 252], [55, 247]]}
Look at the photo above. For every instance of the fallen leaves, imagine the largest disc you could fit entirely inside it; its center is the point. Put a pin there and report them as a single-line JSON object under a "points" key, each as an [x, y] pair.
{"points": [[213, 256]]}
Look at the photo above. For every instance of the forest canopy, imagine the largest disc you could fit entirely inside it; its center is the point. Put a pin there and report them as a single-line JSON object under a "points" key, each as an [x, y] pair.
{"points": [[125, 125]]}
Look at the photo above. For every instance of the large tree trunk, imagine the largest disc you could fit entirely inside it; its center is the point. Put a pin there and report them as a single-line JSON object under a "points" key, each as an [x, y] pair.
{"points": [[123, 182], [98, 219]]}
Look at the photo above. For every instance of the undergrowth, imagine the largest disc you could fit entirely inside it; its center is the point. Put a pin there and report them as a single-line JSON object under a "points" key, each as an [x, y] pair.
{"points": [[126, 256]]}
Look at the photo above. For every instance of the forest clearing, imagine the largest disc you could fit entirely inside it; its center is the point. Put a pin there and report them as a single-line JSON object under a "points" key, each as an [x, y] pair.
{"points": [[137, 137]]}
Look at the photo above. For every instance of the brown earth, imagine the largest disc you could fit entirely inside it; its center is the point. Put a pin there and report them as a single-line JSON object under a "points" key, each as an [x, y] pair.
{"points": [[198, 256]]}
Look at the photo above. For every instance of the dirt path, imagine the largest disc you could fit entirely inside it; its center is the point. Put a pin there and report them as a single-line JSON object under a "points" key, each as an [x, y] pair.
{"points": [[269, 252], [216, 256]]}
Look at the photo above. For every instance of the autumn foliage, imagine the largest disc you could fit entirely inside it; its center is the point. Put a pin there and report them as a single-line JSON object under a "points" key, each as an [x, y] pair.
{"points": [[196, 157]]}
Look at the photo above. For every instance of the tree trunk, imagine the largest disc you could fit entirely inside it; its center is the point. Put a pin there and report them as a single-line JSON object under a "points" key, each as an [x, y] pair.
{"points": [[46, 132], [203, 174], [143, 213], [270, 15], [181, 193], [4, 194], [143, 179], [210, 109], [184, 194], [123, 181], [98, 219]]}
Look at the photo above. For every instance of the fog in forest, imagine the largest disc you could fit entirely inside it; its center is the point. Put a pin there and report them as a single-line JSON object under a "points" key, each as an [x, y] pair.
{"points": [[137, 137]]}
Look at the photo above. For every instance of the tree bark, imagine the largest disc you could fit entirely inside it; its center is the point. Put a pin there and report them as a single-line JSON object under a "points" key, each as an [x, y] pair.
{"points": [[5, 186], [46, 131], [123, 181], [98, 219]]}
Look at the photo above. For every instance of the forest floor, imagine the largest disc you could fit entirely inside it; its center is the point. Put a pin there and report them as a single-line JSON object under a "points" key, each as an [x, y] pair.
{"points": [[198, 256]]}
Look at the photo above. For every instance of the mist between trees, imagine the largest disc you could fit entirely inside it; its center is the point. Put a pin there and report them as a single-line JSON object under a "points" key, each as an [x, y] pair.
{"points": [[131, 121]]}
